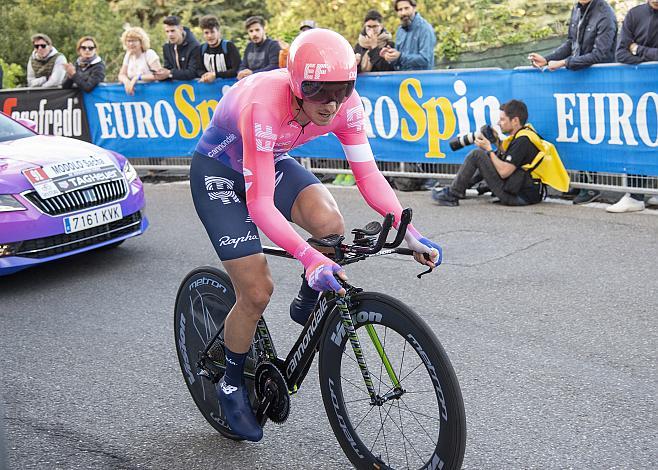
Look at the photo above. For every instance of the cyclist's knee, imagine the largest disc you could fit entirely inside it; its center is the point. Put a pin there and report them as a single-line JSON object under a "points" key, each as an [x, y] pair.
{"points": [[255, 299], [328, 222]]}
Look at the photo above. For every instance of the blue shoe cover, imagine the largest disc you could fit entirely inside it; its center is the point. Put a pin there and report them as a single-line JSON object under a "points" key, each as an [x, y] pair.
{"points": [[235, 405]]}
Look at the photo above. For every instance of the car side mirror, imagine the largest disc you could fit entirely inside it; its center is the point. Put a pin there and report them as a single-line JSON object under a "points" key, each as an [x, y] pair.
{"points": [[29, 123]]}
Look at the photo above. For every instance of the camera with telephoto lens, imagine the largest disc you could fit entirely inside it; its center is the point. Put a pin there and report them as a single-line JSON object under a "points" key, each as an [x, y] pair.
{"points": [[462, 141]]}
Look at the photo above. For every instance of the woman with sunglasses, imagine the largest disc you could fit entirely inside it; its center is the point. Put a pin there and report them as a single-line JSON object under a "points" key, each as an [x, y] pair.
{"points": [[46, 65], [89, 69], [243, 179]]}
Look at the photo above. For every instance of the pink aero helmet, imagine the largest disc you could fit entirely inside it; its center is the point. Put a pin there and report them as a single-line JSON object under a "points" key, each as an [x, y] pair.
{"points": [[320, 55]]}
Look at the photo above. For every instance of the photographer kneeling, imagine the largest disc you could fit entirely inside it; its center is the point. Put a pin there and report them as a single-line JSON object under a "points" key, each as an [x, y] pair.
{"points": [[501, 170]]}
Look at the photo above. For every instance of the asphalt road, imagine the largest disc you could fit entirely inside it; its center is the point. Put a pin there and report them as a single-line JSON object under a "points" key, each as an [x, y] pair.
{"points": [[548, 314]]}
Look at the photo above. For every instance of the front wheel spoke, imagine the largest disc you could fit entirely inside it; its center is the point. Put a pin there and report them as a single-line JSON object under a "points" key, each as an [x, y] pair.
{"points": [[364, 417], [388, 457], [360, 389], [412, 371], [404, 437], [404, 441], [357, 401], [380, 428], [414, 413]]}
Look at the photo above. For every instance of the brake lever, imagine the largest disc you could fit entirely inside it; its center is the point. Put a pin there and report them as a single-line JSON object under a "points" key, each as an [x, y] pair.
{"points": [[429, 270]]}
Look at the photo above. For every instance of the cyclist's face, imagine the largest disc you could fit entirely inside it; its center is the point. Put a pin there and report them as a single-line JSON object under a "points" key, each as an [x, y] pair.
{"points": [[321, 114]]}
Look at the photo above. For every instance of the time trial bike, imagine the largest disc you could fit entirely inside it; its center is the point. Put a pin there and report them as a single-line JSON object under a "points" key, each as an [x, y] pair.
{"points": [[389, 391]]}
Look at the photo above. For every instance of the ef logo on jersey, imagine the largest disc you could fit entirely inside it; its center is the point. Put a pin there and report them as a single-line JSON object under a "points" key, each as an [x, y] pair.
{"points": [[315, 71]]}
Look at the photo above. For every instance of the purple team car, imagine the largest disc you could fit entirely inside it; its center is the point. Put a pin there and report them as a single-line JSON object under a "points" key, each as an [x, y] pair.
{"points": [[61, 196]]}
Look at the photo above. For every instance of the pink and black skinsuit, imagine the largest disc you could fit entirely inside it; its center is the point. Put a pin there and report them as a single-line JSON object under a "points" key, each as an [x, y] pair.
{"points": [[243, 179]]}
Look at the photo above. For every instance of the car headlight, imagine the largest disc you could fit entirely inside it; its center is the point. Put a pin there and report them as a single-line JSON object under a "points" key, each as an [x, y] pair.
{"points": [[9, 204], [129, 172]]}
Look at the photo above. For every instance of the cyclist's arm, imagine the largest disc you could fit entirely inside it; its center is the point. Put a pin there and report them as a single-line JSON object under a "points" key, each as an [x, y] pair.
{"points": [[372, 185], [374, 188], [257, 128]]}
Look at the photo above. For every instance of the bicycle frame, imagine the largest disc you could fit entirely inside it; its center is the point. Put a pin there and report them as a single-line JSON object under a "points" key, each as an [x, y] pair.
{"points": [[297, 363]]}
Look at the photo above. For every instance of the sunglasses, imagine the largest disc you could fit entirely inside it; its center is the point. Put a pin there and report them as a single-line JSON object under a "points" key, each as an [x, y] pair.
{"points": [[87, 48], [42, 46], [326, 92]]}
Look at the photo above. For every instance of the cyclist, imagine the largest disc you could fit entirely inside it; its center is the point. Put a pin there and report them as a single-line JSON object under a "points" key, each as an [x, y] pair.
{"points": [[243, 179]]}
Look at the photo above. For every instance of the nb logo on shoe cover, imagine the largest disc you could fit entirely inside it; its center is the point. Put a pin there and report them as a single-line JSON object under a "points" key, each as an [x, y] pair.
{"points": [[228, 389]]}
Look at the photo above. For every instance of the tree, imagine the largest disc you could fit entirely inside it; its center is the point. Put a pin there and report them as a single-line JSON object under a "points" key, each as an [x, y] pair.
{"points": [[64, 23]]}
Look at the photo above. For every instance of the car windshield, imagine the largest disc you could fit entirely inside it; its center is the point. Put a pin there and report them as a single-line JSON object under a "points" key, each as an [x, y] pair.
{"points": [[11, 130]]}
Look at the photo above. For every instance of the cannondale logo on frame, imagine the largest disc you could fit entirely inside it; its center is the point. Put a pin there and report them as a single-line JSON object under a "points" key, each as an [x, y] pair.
{"points": [[221, 188]]}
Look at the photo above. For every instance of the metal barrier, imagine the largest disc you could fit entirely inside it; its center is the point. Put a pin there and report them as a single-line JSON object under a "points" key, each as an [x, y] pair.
{"points": [[601, 181]]}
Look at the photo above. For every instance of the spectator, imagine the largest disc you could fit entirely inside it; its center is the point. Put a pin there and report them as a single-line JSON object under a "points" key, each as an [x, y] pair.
{"points": [[591, 40], [218, 58], [372, 39], [414, 40], [140, 60], [181, 52], [305, 25], [89, 69], [414, 50], [638, 43], [501, 170], [262, 53], [46, 66]]}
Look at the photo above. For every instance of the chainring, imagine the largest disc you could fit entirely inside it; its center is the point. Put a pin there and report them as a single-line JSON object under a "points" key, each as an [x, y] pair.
{"points": [[269, 378]]}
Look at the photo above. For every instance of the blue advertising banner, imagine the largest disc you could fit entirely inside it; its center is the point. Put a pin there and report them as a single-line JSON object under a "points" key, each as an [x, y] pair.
{"points": [[601, 119]]}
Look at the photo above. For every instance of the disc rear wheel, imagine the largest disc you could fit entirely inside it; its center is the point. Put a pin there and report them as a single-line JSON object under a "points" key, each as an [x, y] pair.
{"points": [[204, 299]]}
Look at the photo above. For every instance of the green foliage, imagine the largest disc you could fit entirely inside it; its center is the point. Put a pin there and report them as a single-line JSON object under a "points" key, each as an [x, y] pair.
{"points": [[64, 22], [13, 75], [460, 25]]}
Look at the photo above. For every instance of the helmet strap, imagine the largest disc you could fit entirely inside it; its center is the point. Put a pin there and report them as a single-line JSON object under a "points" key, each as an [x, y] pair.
{"points": [[300, 103]]}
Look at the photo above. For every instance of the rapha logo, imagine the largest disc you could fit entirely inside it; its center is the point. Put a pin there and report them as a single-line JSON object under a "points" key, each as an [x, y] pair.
{"points": [[228, 241], [315, 71], [265, 139], [355, 117], [221, 188]]}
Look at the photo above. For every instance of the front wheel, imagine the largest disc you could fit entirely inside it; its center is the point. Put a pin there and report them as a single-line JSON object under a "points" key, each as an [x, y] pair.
{"points": [[204, 299], [417, 420]]}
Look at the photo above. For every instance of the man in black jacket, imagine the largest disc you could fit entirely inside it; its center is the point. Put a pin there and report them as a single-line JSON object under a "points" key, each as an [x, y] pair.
{"points": [[591, 39], [218, 57], [372, 40], [181, 53], [638, 42], [262, 53]]}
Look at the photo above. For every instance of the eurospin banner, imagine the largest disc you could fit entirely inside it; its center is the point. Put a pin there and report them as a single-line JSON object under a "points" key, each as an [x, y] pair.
{"points": [[601, 119]]}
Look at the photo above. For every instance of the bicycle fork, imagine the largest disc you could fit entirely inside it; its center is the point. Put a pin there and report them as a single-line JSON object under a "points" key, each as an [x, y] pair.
{"points": [[348, 323]]}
